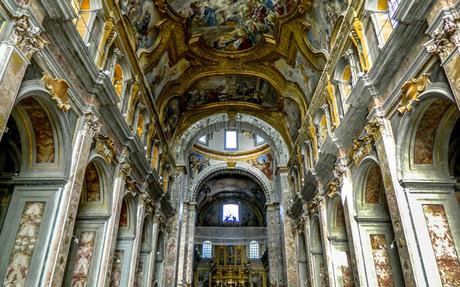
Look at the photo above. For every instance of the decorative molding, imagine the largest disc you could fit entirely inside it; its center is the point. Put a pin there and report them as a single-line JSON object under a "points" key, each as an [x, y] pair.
{"points": [[410, 92], [358, 39], [58, 89], [445, 39], [26, 37]]}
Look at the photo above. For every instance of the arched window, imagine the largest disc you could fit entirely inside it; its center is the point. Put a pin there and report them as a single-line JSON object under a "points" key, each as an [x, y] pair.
{"points": [[254, 250], [118, 80], [89, 22], [206, 251]]}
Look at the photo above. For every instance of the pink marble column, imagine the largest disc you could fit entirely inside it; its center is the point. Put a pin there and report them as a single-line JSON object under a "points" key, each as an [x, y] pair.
{"points": [[61, 239], [110, 238], [14, 59], [290, 253]]}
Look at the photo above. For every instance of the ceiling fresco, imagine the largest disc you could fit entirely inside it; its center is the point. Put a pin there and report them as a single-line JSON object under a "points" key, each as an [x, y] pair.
{"points": [[232, 25]]}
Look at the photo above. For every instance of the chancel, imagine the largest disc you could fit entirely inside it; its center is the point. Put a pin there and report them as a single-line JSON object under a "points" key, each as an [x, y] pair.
{"points": [[229, 143]]}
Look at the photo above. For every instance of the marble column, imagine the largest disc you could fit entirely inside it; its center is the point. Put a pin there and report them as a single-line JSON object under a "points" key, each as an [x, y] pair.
{"points": [[290, 262], [327, 248], [274, 242], [182, 245], [153, 253], [137, 241], [354, 241], [445, 44], [63, 230], [20, 42], [190, 241], [173, 235], [110, 238], [404, 230]]}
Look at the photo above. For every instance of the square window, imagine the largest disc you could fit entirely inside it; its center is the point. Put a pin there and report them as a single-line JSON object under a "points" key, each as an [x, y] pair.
{"points": [[231, 140]]}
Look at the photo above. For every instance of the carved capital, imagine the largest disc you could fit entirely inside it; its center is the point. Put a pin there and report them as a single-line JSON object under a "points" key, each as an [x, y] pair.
{"points": [[410, 92], [374, 128], [106, 147], [125, 169], [361, 147], [91, 124], [445, 39], [26, 37]]}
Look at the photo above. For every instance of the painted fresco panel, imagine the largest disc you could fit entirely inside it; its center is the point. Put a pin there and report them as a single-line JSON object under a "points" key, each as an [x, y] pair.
{"points": [[426, 132], [374, 185], [232, 25], [83, 259], [26, 240], [92, 184], [443, 244], [382, 263]]}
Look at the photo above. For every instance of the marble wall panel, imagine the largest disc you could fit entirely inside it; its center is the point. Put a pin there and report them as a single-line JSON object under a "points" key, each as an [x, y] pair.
{"points": [[83, 259], [382, 262], [26, 240], [443, 244], [117, 268]]}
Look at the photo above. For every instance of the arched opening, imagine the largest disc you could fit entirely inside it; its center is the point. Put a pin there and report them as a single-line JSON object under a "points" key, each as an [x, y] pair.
{"points": [[319, 272], [86, 247], [118, 79], [342, 268], [303, 263], [231, 232], [430, 147], [379, 246], [143, 263]]}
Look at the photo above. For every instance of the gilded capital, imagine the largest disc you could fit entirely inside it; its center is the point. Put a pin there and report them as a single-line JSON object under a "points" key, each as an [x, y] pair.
{"points": [[26, 37]]}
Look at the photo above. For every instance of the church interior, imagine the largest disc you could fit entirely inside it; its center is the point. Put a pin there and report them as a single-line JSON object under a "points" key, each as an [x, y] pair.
{"points": [[230, 143]]}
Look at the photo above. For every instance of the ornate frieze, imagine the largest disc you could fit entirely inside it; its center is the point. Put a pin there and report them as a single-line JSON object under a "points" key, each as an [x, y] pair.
{"points": [[410, 92], [26, 37], [445, 39], [106, 147], [58, 89]]}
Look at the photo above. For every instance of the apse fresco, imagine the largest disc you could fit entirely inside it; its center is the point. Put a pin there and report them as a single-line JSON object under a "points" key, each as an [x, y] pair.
{"points": [[232, 25], [265, 164], [293, 117], [324, 14], [142, 16], [231, 88]]}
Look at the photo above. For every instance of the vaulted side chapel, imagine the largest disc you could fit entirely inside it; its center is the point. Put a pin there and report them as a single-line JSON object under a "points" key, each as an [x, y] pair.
{"points": [[229, 143]]}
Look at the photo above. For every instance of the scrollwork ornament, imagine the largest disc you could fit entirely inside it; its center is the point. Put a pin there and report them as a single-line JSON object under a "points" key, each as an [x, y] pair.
{"points": [[58, 89], [125, 169], [374, 128], [410, 92], [26, 37]]}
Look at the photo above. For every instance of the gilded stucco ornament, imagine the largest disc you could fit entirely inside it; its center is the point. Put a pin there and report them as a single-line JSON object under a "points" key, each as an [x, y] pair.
{"points": [[26, 37], [374, 128], [445, 39], [358, 39], [58, 89], [410, 92], [332, 104], [361, 147], [105, 147], [109, 35], [314, 203], [333, 188]]}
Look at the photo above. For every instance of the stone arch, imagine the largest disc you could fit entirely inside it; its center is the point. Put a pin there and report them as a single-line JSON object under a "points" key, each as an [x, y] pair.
{"points": [[127, 223], [424, 133], [54, 142], [240, 168], [369, 193], [216, 121], [101, 202]]}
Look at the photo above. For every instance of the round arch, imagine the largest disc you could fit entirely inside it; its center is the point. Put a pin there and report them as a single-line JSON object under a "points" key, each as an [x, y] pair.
{"points": [[240, 168], [222, 120], [407, 131]]}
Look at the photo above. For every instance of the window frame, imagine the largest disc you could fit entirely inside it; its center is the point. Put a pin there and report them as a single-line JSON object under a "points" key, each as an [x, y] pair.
{"points": [[225, 139], [206, 249], [254, 250]]}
